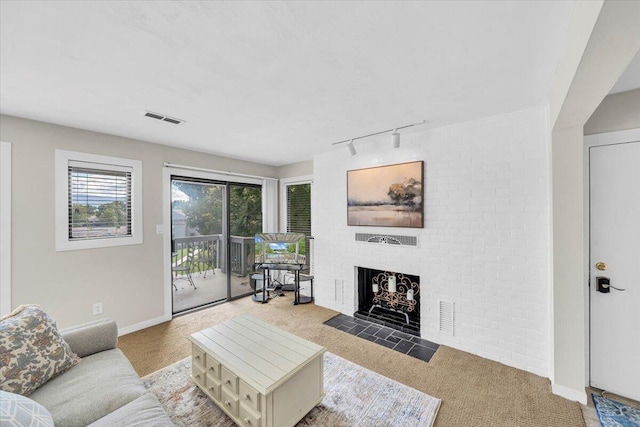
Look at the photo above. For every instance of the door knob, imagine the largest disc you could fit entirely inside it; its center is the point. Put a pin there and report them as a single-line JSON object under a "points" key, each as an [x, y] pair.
{"points": [[601, 266]]}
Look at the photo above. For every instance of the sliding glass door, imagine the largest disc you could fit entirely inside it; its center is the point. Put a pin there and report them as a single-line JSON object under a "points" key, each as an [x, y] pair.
{"points": [[213, 225], [245, 220]]}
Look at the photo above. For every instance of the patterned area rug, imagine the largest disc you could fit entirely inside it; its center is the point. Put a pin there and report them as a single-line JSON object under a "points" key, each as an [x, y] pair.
{"points": [[616, 414], [355, 397]]}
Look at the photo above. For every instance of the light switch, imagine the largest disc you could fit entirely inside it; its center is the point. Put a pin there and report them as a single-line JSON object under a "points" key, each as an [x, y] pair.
{"points": [[159, 229]]}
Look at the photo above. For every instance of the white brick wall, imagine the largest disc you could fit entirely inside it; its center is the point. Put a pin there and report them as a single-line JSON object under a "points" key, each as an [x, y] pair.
{"points": [[485, 244]]}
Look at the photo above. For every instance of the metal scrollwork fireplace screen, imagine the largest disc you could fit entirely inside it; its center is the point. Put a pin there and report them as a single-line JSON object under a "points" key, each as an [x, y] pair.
{"points": [[386, 196], [389, 297], [395, 292]]}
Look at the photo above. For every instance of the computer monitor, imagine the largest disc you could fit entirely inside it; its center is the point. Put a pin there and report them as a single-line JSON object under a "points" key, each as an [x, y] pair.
{"points": [[280, 248]]}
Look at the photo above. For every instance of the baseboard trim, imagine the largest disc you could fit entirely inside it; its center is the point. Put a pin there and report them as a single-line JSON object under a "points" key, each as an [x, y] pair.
{"points": [[569, 393], [143, 325]]}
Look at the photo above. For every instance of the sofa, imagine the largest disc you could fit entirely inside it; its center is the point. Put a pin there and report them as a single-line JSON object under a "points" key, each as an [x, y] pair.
{"points": [[103, 389], [100, 388]]}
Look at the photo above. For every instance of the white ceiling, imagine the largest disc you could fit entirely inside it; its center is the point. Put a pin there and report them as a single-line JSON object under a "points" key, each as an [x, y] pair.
{"points": [[275, 82]]}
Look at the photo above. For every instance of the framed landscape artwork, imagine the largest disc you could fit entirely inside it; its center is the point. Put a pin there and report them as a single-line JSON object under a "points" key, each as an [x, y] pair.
{"points": [[386, 196]]}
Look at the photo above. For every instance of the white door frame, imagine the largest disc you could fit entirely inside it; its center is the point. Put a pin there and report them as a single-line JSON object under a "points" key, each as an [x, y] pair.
{"points": [[609, 138], [5, 228]]}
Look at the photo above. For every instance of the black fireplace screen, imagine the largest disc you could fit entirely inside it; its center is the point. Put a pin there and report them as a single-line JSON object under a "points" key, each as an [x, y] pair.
{"points": [[389, 298]]}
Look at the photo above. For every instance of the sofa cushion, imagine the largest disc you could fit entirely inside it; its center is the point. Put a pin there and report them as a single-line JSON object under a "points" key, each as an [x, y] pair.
{"points": [[17, 410], [31, 350], [102, 383], [143, 412]]}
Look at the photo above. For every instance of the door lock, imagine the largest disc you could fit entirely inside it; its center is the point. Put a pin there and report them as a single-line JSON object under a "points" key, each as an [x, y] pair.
{"points": [[603, 284], [601, 266]]}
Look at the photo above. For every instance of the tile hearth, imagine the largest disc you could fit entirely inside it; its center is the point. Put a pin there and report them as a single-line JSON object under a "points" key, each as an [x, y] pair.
{"points": [[399, 341]]}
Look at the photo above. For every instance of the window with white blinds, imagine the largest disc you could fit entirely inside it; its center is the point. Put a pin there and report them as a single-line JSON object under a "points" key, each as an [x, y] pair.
{"points": [[297, 216], [299, 208], [98, 201]]}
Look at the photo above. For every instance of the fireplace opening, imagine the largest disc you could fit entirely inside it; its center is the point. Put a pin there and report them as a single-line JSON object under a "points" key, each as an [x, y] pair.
{"points": [[389, 298]]}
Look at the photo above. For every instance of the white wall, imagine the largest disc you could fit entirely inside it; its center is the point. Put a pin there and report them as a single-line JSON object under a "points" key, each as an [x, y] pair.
{"points": [[296, 169], [619, 111], [128, 280], [597, 53], [485, 244], [584, 18], [568, 233], [5, 228]]}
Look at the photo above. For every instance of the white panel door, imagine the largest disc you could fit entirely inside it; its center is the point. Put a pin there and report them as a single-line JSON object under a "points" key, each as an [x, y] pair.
{"points": [[615, 241]]}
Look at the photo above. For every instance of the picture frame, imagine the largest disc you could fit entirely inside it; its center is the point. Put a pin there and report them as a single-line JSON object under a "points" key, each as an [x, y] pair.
{"points": [[386, 196]]}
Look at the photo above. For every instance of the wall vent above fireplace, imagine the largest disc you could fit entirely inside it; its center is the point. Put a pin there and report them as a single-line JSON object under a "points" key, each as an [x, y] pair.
{"points": [[389, 239]]}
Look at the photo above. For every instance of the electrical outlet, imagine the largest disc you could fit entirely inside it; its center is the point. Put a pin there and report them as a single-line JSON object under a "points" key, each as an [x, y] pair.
{"points": [[97, 308]]}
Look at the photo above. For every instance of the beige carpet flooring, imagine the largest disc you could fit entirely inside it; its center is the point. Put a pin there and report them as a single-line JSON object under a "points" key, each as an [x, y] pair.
{"points": [[474, 391]]}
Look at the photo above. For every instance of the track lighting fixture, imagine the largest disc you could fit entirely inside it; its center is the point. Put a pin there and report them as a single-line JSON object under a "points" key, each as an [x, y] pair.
{"points": [[351, 148], [395, 137]]}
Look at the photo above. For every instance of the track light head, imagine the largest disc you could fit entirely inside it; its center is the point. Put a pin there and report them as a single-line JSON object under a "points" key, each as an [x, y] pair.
{"points": [[395, 139], [351, 148]]}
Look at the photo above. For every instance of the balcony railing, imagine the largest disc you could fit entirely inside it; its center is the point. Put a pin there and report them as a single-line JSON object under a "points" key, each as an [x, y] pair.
{"points": [[242, 254], [210, 247]]}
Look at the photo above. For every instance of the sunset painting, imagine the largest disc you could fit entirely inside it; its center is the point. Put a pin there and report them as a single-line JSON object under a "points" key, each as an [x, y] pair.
{"points": [[386, 196]]}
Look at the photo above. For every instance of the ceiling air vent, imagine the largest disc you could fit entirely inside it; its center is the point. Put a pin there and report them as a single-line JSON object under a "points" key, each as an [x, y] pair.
{"points": [[163, 118]]}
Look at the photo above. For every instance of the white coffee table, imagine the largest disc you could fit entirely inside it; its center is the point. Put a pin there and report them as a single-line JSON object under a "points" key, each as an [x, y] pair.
{"points": [[260, 375]]}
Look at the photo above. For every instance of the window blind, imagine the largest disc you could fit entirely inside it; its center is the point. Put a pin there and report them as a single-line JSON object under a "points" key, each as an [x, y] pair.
{"points": [[299, 209], [99, 201]]}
